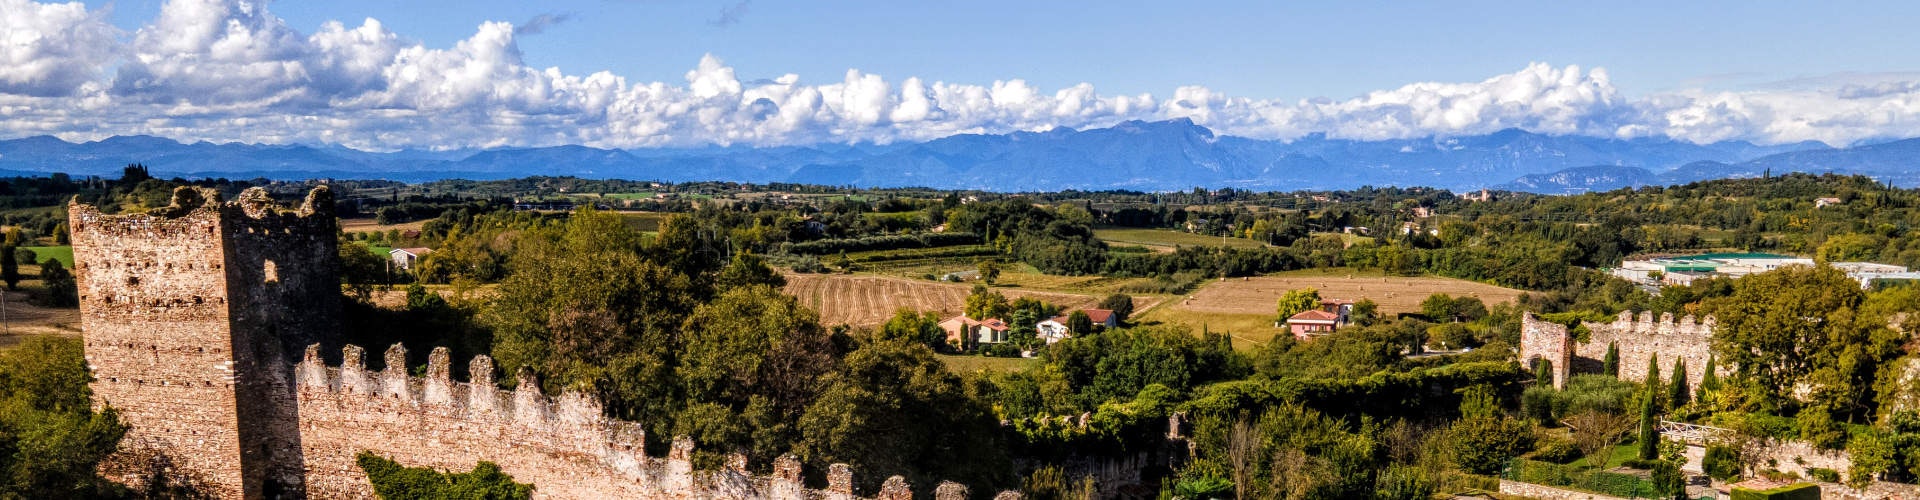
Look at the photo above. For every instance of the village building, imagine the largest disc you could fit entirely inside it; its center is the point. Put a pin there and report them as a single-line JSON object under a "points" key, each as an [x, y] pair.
{"points": [[966, 333], [1332, 314], [1825, 202], [1055, 329], [404, 258]]}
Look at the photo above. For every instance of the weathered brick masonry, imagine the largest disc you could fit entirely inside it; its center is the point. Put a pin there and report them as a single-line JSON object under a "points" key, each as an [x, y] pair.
{"points": [[205, 325], [1638, 338]]}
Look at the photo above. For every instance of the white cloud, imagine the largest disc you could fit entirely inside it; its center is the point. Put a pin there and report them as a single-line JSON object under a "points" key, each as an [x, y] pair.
{"points": [[52, 49], [228, 70]]}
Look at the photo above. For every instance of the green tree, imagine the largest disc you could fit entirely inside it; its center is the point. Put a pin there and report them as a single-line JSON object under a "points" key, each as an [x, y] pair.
{"points": [[9, 268], [749, 365], [1483, 440], [1079, 323], [1649, 438], [59, 287], [985, 303], [923, 328], [1610, 365], [1678, 391], [1542, 372], [392, 481], [989, 271], [1365, 312], [747, 270], [1804, 325], [1709, 381], [1437, 307], [1295, 301], [898, 389], [1120, 304], [51, 441]]}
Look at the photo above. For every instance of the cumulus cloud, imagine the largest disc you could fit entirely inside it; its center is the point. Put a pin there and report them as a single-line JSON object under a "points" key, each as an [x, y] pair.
{"points": [[229, 70], [52, 49]]}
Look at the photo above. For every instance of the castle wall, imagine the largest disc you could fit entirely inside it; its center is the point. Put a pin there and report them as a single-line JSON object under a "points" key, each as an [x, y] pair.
{"points": [[1637, 337], [564, 446], [206, 323], [154, 305]]}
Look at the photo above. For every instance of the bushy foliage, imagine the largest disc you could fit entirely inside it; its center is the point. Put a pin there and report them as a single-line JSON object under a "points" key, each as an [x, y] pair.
{"points": [[51, 441], [392, 481]]}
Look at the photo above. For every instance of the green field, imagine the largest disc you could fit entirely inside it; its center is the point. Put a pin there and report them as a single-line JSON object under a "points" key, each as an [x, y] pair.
{"points": [[1169, 238], [62, 253]]}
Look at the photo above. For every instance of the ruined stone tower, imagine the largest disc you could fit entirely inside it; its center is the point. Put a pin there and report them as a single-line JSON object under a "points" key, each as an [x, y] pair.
{"points": [[194, 315]]}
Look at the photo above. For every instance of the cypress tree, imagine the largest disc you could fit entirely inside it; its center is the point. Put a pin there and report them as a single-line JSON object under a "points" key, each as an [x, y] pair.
{"points": [[1649, 445], [1611, 365], [1653, 382], [1708, 381], [1679, 389], [9, 268], [1542, 372]]}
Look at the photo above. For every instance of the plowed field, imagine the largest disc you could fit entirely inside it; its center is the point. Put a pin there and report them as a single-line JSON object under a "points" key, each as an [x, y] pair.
{"points": [[869, 300]]}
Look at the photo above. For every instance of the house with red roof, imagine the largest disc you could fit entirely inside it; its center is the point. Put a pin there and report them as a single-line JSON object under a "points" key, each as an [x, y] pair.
{"points": [[1055, 329], [965, 333], [1332, 314]]}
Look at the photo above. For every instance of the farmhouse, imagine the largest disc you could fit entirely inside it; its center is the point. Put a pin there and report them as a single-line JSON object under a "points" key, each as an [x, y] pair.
{"points": [[966, 333], [404, 258], [1332, 314], [1055, 329]]}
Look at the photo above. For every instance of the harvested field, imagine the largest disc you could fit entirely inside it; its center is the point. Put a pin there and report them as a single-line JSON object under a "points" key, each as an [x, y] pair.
{"points": [[368, 225], [1168, 238], [1395, 294], [24, 319], [861, 300]]}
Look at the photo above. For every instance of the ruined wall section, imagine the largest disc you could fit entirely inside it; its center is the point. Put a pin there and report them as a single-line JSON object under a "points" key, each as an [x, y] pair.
{"points": [[154, 306], [564, 446], [1639, 337], [1548, 341]]}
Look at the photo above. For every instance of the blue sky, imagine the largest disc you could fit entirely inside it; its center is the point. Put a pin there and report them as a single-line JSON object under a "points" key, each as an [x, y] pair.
{"points": [[1254, 49], [637, 73]]}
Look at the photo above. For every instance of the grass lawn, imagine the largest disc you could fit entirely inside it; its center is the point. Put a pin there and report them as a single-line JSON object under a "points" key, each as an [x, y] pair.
{"points": [[970, 364], [1249, 331], [64, 254], [1169, 238]]}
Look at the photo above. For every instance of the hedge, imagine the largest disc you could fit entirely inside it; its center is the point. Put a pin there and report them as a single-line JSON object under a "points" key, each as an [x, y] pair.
{"points": [[1579, 478], [1800, 491]]}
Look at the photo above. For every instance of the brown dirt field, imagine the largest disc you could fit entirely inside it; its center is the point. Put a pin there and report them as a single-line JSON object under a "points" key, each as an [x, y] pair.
{"points": [[24, 319], [1394, 294], [367, 225], [862, 300]]}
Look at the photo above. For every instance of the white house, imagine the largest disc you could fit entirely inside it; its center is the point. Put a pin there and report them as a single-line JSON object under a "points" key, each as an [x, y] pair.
{"points": [[404, 258], [1055, 329]]}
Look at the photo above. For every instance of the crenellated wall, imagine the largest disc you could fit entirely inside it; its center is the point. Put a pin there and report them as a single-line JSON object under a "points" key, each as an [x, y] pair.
{"points": [[1637, 337], [563, 445], [194, 316]]}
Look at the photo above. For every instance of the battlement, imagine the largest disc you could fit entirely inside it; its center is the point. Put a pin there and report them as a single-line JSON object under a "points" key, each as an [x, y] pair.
{"points": [[1639, 338], [564, 444]]}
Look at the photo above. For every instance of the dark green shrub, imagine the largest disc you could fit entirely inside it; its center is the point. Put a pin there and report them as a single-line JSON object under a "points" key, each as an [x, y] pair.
{"points": [[392, 481], [1824, 475], [1721, 462], [1801, 491], [1559, 451]]}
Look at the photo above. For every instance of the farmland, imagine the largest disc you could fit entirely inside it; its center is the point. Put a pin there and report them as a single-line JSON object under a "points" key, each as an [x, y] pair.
{"points": [[1165, 239], [1245, 306], [863, 300]]}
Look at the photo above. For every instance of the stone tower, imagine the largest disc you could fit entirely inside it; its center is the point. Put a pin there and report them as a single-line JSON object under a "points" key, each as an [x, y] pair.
{"points": [[193, 316]]}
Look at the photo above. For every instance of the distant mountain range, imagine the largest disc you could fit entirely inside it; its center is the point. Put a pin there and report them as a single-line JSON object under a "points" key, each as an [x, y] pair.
{"points": [[1149, 156]]}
